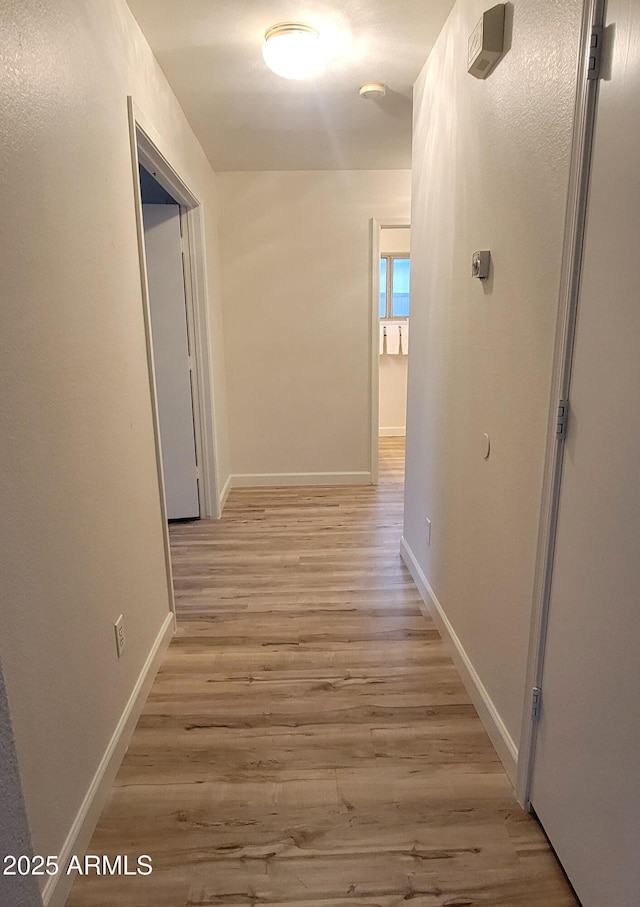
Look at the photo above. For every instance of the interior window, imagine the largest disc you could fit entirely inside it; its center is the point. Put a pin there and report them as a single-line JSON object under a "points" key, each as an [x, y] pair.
{"points": [[383, 287], [395, 284]]}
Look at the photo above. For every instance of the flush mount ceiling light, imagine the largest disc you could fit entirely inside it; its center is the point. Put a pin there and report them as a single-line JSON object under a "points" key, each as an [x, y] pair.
{"points": [[292, 50], [373, 91]]}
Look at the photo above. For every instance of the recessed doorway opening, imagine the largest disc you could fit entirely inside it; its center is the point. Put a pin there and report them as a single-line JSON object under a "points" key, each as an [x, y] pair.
{"points": [[390, 313], [171, 245]]}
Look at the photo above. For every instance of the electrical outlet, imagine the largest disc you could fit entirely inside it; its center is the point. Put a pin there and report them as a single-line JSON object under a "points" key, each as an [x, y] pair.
{"points": [[120, 638], [428, 531]]}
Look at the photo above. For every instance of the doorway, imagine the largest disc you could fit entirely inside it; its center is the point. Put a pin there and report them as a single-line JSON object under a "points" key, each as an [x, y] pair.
{"points": [[182, 228], [395, 249], [390, 309], [172, 344]]}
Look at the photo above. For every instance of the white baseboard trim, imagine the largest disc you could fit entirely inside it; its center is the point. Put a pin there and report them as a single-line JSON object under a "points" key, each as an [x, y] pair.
{"points": [[489, 715], [56, 890], [251, 480], [224, 494], [398, 431]]}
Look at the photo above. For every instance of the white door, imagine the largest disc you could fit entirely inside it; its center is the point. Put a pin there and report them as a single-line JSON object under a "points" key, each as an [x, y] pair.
{"points": [[165, 277], [586, 779]]}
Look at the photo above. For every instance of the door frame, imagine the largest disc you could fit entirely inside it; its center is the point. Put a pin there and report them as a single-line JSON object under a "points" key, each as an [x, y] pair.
{"points": [[571, 269], [375, 226], [145, 150]]}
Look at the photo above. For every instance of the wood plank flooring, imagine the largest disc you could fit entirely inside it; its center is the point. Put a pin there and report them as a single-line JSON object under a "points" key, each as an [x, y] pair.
{"points": [[307, 741]]}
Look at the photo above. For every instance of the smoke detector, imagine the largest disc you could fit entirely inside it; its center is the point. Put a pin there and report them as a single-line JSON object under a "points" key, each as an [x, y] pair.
{"points": [[373, 91]]}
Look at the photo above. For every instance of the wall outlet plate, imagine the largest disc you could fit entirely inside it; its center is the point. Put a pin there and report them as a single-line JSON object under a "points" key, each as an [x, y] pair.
{"points": [[486, 42], [480, 264], [120, 637]]}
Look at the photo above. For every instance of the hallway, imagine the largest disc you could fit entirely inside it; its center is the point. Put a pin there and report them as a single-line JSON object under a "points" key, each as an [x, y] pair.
{"points": [[307, 739]]}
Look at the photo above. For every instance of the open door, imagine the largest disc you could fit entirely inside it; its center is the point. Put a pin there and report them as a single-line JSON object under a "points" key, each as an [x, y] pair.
{"points": [[172, 361], [585, 787]]}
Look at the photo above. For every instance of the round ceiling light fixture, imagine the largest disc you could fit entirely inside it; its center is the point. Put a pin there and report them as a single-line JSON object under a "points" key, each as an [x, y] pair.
{"points": [[292, 50], [373, 91]]}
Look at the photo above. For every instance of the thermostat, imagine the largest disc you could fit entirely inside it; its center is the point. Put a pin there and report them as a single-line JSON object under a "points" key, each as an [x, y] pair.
{"points": [[480, 264], [486, 42]]}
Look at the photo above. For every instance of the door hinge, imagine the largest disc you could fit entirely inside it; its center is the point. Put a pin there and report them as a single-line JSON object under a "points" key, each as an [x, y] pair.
{"points": [[536, 696], [595, 53], [197, 472], [563, 415]]}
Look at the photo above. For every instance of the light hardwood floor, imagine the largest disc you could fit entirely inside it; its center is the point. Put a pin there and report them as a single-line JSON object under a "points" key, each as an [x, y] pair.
{"points": [[307, 740]]}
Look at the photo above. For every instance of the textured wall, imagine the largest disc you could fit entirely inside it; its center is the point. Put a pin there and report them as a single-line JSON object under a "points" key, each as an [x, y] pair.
{"points": [[295, 254], [490, 172], [81, 533], [17, 891]]}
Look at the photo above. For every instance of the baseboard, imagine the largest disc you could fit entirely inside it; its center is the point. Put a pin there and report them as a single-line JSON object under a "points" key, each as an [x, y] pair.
{"points": [[224, 494], [56, 891], [489, 715], [398, 431], [251, 480]]}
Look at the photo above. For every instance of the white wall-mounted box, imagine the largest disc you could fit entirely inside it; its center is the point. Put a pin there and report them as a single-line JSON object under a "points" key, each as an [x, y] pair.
{"points": [[486, 42]]}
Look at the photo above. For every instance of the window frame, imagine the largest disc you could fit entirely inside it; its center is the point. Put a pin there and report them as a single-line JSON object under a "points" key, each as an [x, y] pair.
{"points": [[391, 257]]}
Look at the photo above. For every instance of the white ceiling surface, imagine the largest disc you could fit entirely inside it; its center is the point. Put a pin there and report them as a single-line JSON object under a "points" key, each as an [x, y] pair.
{"points": [[248, 118]]}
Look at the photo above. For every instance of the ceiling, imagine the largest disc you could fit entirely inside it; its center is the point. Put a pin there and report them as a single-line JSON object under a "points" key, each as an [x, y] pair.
{"points": [[248, 118]]}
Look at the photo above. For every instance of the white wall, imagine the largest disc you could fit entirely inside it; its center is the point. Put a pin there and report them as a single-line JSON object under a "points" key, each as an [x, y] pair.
{"points": [[491, 169], [392, 388], [81, 534], [295, 263]]}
